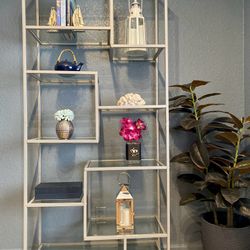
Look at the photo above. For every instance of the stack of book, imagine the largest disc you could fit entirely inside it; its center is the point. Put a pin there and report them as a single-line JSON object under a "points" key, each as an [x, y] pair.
{"points": [[64, 12]]}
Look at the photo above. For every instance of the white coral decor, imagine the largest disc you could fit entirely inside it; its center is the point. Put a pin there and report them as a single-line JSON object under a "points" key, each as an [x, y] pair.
{"points": [[64, 114], [131, 99]]}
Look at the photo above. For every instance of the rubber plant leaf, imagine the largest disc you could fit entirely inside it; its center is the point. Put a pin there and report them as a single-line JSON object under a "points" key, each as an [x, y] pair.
{"points": [[231, 195], [201, 107], [175, 97], [196, 83], [208, 95], [181, 100], [199, 155], [182, 158], [190, 178], [189, 123], [237, 122], [230, 137], [191, 197], [220, 202], [180, 110], [184, 87], [216, 178]]}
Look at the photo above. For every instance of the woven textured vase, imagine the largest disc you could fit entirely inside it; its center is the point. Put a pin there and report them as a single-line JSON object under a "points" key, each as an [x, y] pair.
{"points": [[64, 129], [222, 238]]}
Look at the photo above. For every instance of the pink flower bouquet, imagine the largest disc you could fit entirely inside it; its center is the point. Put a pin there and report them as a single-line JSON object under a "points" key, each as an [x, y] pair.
{"points": [[131, 130]]}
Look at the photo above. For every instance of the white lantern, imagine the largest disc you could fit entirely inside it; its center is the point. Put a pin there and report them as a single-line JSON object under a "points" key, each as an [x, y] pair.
{"points": [[124, 210], [135, 29]]}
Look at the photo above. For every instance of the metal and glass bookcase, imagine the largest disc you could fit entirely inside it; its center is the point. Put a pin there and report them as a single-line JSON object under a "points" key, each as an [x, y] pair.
{"points": [[91, 156]]}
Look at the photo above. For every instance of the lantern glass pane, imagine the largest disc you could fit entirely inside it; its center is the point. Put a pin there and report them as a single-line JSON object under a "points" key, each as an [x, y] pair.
{"points": [[133, 23]]}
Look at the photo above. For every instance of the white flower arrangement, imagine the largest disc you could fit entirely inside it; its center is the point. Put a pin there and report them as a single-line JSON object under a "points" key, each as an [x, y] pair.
{"points": [[64, 114]]}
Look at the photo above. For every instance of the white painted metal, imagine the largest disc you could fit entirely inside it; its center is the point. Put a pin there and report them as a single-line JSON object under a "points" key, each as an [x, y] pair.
{"points": [[57, 141], [167, 122], [158, 48], [25, 127], [140, 107], [34, 203]]}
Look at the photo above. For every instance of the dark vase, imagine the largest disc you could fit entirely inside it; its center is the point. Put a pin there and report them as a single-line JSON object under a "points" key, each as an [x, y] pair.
{"points": [[133, 151], [223, 238]]}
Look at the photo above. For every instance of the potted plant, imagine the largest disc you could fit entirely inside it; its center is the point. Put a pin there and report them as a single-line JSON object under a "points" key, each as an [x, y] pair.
{"points": [[218, 168], [131, 131], [64, 126]]}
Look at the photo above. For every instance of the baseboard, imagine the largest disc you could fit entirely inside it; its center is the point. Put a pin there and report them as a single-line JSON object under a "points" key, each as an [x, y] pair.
{"points": [[185, 247]]}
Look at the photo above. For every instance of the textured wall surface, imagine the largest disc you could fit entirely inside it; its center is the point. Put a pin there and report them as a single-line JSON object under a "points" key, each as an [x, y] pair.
{"points": [[247, 56], [205, 42], [11, 126]]}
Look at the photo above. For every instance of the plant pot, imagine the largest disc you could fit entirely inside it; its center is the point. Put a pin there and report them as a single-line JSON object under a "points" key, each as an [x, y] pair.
{"points": [[64, 129], [133, 151], [222, 238]]}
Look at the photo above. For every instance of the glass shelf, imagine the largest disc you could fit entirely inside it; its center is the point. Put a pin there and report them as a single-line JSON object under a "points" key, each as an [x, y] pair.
{"points": [[119, 52], [68, 35], [69, 77], [47, 140], [139, 108], [59, 203], [109, 165], [134, 245], [144, 227]]}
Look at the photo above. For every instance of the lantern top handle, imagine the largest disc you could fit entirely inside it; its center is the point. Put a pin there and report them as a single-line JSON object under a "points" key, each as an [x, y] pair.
{"points": [[135, 2], [123, 181]]}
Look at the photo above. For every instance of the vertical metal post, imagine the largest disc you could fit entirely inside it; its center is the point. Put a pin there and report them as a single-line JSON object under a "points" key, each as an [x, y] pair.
{"points": [[125, 244], [25, 129], [167, 121], [39, 123], [111, 22], [97, 111], [85, 190]]}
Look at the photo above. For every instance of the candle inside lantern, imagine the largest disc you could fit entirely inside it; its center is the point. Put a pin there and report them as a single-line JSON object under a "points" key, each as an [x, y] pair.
{"points": [[124, 215]]}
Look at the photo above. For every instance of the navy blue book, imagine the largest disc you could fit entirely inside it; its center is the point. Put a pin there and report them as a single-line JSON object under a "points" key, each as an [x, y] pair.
{"points": [[58, 190]]}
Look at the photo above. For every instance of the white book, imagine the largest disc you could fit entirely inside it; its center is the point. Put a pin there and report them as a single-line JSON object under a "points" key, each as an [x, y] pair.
{"points": [[63, 13]]}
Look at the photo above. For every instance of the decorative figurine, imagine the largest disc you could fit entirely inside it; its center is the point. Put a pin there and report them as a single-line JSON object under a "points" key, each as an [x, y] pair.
{"points": [[77, 18], [52, 17]]}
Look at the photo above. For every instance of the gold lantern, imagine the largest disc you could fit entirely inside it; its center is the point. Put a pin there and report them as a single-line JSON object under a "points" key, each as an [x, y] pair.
{"points": [[124, 210], [135, 29]]}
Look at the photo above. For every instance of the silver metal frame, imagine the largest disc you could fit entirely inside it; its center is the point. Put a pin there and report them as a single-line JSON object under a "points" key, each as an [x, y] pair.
{"points": [[157, 48]]}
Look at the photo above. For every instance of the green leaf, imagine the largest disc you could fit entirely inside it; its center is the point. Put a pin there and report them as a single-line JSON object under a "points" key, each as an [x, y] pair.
{"points": [[224, 160], [180, 110], [216, 178], [182, 129], [184, 87], [243, 167], [247, 119], [189, 123], [197, 83], [237, 122], [231, 195], [189, 178], [181, 100], [199, 155], [212, 146], [216, 126], [175, 97], [191, 197], [230, 137], [201, 107], [220, 202], [208, 95], [182, 158]]}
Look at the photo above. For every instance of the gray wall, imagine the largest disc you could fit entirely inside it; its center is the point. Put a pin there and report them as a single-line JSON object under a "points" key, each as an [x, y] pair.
{"points": [[205, 42], [11, 125], [247, 56]]}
